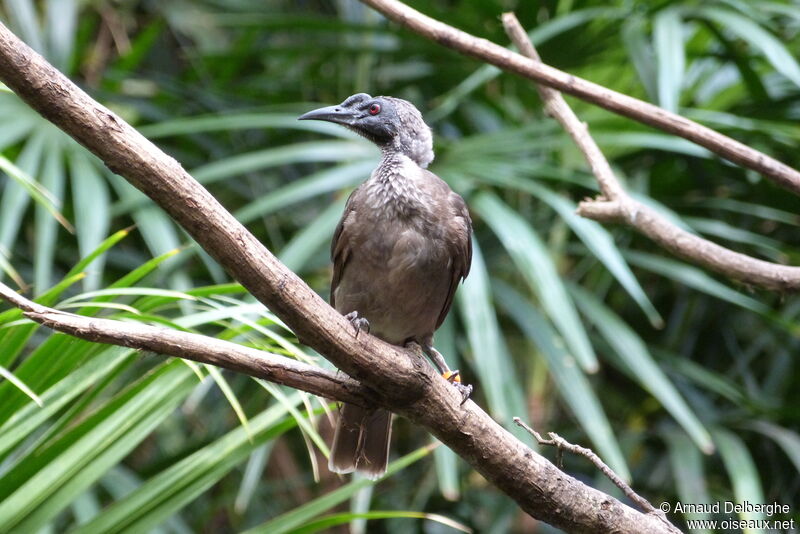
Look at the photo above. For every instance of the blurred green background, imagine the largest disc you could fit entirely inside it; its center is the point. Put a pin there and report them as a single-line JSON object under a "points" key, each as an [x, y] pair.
{"points": [[683, 382]]}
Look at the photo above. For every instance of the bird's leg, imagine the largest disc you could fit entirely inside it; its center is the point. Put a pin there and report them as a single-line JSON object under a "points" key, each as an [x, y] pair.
{"points": [[359, 323], [454, 377]]}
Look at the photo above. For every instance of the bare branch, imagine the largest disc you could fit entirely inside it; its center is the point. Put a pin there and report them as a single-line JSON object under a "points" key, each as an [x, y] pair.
{"points": [[196, 347], [561, 444], [625, 105], [557, 107], [402, 381], [617, 206]]}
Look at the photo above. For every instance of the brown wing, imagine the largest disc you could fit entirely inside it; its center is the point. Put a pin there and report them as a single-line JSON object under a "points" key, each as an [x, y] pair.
{"points": [[459, 239], [340, 250]]}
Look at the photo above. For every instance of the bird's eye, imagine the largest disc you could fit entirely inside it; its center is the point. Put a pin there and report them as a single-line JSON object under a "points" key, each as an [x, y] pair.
{"points": [[374, 109]]}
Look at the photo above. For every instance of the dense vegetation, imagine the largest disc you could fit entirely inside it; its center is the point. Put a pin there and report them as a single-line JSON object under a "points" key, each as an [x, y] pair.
{"points": [[680, 380]]}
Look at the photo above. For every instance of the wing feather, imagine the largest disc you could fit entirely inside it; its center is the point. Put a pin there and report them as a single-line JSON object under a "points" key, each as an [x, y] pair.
{"points": [[340, 246], [458, 236]]}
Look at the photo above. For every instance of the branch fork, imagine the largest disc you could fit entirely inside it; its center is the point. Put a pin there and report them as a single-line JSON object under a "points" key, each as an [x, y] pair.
{"points": [[616, 205]]}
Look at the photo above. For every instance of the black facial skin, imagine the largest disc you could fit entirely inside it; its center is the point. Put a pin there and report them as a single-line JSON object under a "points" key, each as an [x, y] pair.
{"points": [[354, 114]]}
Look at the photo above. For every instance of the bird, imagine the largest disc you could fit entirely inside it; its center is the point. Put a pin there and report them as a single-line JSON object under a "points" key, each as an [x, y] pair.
{"points": [[401, 248]]}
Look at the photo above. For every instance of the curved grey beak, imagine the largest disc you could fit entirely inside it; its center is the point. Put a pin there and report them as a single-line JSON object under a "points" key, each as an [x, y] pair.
{"points": [[337, 114]]}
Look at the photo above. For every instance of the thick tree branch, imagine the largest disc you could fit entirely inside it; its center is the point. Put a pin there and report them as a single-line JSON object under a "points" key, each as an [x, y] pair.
{"points": [[403, 381], [625, 105], [199, 348], [617, 206]]}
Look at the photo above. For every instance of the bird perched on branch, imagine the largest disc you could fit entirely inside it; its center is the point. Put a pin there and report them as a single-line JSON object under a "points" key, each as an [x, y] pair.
{"points": [[401, 248]]}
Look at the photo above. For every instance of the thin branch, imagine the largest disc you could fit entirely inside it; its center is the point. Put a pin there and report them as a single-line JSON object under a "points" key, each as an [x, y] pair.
{"points": [[617, 206], [624, 105], [557, 107], [402, 381], [561, 445], [198, 348]]}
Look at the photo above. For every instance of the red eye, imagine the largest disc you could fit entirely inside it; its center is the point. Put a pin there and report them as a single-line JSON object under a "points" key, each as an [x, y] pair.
{"points": [[374, 109]]}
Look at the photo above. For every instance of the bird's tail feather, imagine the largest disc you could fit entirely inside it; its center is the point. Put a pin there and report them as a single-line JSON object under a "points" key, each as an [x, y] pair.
{"points": [[361, 441]]}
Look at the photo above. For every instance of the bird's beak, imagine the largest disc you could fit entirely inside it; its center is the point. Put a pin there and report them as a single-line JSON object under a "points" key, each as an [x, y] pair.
{"points": [[337, 114]]}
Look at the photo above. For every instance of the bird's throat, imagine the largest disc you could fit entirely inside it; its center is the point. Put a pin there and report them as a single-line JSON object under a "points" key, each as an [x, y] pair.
{"points": [[394, 186]]}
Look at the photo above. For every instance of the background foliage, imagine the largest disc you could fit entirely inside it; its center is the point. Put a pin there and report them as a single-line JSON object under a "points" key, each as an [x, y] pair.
{"points": [[682, 381]]}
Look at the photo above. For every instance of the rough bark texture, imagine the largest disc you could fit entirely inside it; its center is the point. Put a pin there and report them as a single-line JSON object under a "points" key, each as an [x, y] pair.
{"points": [[624, 105], [403, 381]]}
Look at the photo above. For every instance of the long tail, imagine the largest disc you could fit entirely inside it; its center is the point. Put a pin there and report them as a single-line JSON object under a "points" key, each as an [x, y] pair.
{"points": [[361, 441]]}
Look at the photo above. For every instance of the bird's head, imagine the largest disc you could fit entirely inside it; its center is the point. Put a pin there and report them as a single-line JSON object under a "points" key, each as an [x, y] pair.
{"points": [[391, 123]]}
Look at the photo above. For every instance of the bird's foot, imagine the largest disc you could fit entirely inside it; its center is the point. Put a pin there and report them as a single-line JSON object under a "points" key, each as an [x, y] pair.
{"points": [[359, 323], [454, 377]]}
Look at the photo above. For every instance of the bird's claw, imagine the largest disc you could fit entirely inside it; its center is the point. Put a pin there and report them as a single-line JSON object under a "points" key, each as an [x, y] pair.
{"points": [[359, 323], [454, 377]]}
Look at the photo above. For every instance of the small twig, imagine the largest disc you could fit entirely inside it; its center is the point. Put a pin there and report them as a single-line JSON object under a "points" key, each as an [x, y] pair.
{"points": [[615, 205], [563, 445]]}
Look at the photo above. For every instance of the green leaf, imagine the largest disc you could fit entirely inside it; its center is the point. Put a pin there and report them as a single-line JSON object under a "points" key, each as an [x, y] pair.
{"points": [[39, 488], [8, 375], [747, 30], [223, 386], [241, 121], [536, 266], [167, 492], [61, 25], [103, 247], [127, 291], [12, 273], [325, 523], [53, 178], [312, 238], [20, 422], [157, 229], [574, 387], [630, 348], [597, 239], [787, 439], [325, 181], [490, 357], [297, 517], [668, 45], [687, 468], [742, 472], [543, 33], [22, 14], [15, 198], [694, 277], [90, 199], [316, 151], [641, 53]]}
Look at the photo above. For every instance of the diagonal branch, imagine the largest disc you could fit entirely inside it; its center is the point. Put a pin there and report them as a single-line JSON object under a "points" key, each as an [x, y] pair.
{"points": [[617, 206], [196, 347], [624, 105], [403, 382]]}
